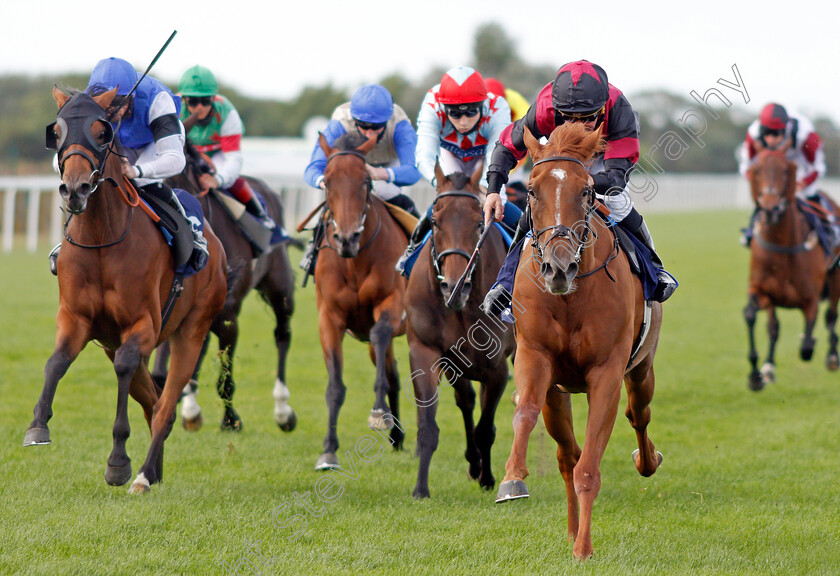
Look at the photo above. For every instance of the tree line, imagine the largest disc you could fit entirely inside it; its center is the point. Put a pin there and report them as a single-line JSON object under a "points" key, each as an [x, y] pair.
{"points": [[27, 106]]}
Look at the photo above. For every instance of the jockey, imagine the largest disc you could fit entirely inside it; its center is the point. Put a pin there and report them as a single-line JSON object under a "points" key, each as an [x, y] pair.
{"points": [[215, 129], [517, 186], [458, 123], [579, 93], [390, 164], [151, 135], [777, 129]]}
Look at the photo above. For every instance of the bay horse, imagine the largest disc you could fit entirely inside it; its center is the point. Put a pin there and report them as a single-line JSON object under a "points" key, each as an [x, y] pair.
{"points": [[580, 328], [270, 273], [357, 288], [464, 343], [788, 267], [115, 276]]}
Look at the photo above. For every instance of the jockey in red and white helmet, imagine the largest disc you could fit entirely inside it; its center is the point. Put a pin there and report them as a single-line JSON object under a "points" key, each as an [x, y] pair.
{"points": [[777, 128], [458, 123], [582, 93]]}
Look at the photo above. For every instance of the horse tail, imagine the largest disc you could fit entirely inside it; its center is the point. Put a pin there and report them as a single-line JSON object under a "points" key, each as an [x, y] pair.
{"points": [[234, 273]]}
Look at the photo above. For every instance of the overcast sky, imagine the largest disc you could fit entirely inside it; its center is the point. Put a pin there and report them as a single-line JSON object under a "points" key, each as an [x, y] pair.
{"points": [[274, 48]]}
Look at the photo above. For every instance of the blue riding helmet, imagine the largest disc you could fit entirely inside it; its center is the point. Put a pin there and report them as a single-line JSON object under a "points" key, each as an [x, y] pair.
{"points": [[372, 103], [113, 72]]}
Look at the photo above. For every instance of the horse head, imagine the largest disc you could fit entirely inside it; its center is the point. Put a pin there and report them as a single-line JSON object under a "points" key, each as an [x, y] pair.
{"points": [[82, 136], [773, 184], [457, 223], [561, 202], [348, 189]]}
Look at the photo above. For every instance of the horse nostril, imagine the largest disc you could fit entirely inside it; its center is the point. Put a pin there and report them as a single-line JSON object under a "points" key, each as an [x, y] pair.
{"points": [[545, 269], [467, 287], [444, 285], [355, 237]]}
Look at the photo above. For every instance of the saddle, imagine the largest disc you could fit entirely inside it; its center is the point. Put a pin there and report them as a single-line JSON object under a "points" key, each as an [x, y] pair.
{"points": [[173, 225]]}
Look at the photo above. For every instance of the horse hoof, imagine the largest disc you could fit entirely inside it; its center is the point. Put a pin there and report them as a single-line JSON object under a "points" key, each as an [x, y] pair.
{"points": [[232, 423], [420, 493], [768, 373], [37, 437], [832, 362], [140, 485], [658, 454], [327, 461], [755, 382], [806, 352], [378, 421], [511, 490], [118, 475], [193, 424], [289, 424]]}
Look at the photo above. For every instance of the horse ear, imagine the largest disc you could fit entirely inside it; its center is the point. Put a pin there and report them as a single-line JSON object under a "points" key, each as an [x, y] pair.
{"points": [[322, 142], [104, 100], [367, 146], [60, 97], [440, 177], [531, 143], [476, 176]]}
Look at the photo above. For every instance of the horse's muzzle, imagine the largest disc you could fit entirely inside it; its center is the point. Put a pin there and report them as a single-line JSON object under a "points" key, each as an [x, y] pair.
{"points": [[557, 279], [76, 198], [348, 244], [446, 288]]}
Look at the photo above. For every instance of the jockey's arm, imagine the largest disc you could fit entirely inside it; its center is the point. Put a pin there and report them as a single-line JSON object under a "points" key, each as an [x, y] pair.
{"points": [[166, 157], [228, 163], [405, 143], [499, 120], [314, 173], [428, 138]]}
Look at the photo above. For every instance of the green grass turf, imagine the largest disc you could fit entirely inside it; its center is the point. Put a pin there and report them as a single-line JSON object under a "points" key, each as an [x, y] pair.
{"points": [[748, 485]]}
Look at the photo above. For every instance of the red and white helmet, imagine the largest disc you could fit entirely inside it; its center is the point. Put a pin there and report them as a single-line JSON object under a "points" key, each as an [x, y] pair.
{"points": [[462, 85]]}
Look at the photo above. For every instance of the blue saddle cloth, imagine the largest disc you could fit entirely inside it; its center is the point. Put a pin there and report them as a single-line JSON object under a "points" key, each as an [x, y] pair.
{"points": [[409, 264], [195, 216], [642, 265]]}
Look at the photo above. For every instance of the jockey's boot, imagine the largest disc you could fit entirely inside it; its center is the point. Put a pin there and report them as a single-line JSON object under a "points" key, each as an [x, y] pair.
{"points": [[424, 225], [498, 298], [54, 259], [666, 285], [200, 254], [310, 255], [747, 233], [256, 209], [406, 203]]}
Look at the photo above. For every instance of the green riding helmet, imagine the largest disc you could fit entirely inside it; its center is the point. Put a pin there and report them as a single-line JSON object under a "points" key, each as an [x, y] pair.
{"points": [[198, 81]]}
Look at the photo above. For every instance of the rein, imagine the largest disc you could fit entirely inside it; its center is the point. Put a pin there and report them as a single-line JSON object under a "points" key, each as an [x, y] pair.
{"points": [[368, 204], [561, 231], [437, 257]]}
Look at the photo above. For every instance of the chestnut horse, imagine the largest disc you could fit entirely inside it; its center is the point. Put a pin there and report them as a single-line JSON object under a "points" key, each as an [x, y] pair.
{"points": [[581, 327], [115, 275], [788, 267], [357, 287], [462, 344], [269, 273]]}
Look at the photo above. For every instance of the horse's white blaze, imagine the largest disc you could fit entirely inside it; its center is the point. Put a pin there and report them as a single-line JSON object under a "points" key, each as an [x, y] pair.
{"points": [[189, 404], [282, 410], [560, 174]]}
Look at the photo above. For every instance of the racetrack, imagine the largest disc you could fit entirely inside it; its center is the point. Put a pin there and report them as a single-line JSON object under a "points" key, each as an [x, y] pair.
{"points": [[748, 485]]}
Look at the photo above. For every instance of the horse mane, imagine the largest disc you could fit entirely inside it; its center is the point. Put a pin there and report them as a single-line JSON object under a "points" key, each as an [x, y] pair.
{"points": [[575, 139], [349, 141]]}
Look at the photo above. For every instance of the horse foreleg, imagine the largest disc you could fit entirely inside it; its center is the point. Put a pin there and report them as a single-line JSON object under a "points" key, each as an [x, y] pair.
{"points": [[161, 365], [557, 415], [832, 360], [768, 369], [426, 396], [603, 397], [492, 389], [397, 433], [227, 329], [380, 341], [755, 381], [283, 414], [465, 400], [126, 361], [806, 347], [532, 374], [331, 331], [71, 337], [640, 383]]}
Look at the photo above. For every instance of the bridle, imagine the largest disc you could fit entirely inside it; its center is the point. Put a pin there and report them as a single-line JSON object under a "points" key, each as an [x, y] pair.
{"points": [[368, 203], [562, 231], [437, 257]]}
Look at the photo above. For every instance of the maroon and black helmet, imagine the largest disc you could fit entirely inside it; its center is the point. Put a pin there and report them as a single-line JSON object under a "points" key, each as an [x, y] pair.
{"points": [[581, 88]]}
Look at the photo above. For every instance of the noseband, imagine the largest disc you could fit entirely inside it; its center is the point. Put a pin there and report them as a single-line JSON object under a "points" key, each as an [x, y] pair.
{"points": [[437, 257], [368, 202]]}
